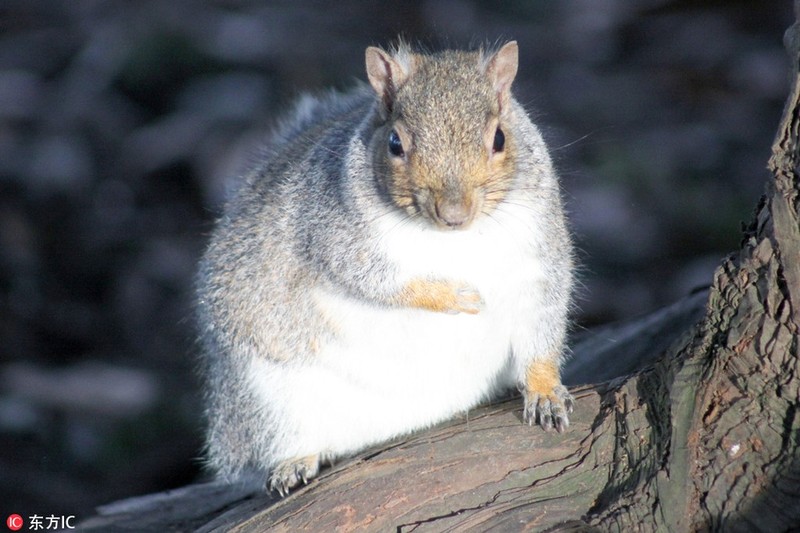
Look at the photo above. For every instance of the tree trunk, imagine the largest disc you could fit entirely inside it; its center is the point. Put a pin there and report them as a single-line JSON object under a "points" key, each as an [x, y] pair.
{"points": [[706, 438]]}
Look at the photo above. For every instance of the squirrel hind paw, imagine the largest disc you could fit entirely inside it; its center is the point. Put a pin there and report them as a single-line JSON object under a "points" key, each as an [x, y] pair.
{"points": [[288, 474], [549, 410]]}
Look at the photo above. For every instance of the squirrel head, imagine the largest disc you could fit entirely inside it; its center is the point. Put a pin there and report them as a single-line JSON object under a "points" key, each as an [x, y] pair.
{"points": [[444, 147]]}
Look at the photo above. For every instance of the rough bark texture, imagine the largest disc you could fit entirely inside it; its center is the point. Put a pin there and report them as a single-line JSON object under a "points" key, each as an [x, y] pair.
{"points": [[704, 439]]}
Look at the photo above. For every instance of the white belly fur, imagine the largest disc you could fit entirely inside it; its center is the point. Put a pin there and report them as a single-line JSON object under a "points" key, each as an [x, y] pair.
{"points": [[391, 371]]}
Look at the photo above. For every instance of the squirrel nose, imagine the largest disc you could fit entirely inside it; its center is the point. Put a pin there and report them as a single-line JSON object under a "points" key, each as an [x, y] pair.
{"points": [[454, 214]]}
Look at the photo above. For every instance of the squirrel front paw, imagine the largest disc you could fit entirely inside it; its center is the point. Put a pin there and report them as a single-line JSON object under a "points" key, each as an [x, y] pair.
{"points": [[288, 474], [442, 296], [549, 410], [547, 402]]}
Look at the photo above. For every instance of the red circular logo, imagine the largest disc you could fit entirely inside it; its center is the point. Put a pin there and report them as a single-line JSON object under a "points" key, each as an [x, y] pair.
{"points": [[14, 522]]}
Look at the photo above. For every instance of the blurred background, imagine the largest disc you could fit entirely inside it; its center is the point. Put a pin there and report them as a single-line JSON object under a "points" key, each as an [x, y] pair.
{"points": [[122, 123]]}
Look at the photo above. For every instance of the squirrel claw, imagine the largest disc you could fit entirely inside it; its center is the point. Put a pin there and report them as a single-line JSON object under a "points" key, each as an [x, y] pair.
{"points": [[288, 474], [549, 411], [468, 300]]}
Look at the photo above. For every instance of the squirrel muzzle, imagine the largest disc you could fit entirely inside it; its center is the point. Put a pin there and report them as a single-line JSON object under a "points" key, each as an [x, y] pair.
{"points": [[454, 208]]}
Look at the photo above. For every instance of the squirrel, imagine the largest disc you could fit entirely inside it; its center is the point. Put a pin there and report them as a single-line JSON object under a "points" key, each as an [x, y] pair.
{"points": [[397, 255]]}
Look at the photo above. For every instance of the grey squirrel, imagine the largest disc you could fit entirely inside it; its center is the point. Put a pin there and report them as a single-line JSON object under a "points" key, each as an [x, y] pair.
{"points": [[399, 255]]}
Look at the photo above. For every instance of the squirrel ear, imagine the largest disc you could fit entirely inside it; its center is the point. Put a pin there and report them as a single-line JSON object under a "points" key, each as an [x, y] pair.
{"points": [[502, 68], [385, 75]]}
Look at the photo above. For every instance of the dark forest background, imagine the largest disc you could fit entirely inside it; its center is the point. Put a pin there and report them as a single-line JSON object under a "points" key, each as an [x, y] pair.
{"points": [[123, 122]]}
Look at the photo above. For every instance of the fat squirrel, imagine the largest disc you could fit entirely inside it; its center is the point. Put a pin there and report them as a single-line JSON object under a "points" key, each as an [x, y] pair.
{"points": [[399, 255]]}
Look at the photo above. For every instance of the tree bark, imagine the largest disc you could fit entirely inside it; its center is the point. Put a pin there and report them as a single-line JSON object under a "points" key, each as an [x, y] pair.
{"points": [[705, 438]]}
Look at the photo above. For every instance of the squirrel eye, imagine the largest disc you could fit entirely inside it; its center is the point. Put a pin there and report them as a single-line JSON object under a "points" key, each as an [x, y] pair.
{"points": [[499, 141], [395, 144]]}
